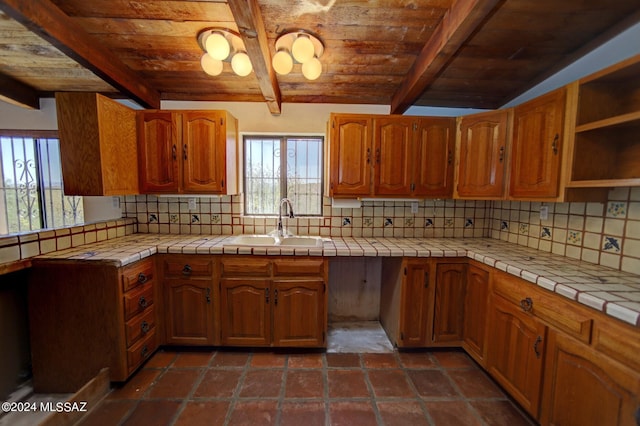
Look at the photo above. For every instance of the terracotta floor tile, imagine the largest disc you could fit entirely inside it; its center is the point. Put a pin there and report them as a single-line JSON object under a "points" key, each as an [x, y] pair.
{"points": [[343, 360], [137, 385], [174, 384], [452, 413], [304, 384], [347, 384], [192, 359], [268, 360], [161, 359], [405, 413], [380, 360], [390, 383], [155, 413], [254, 413], [262, 384], [305, 361], [302, 414], [218, 383], [108, 413], [352, 413], [432, 383], [500, 413], [416, 360], [453, 359], [203, 413], [473, 383], [230, 359]]}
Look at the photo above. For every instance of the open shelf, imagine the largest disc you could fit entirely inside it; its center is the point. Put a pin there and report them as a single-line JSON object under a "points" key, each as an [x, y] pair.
{"points": [[629, 119]]}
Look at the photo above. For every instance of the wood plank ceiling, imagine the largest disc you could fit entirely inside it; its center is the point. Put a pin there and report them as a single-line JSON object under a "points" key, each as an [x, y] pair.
{"points": [[459, 53]]}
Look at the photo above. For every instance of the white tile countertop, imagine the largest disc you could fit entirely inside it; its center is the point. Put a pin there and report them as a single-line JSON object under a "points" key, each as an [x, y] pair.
{"points": [[611, 291]]}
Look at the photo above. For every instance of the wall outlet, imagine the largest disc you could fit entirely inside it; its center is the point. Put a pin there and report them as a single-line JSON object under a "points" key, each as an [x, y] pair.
{"points": [[414, 207], [192, 203], [544, 212], [115, 202]]}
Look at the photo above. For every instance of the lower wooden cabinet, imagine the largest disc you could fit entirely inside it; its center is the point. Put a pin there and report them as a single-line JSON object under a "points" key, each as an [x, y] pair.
{"points": [[86, 316], [583, 387], [190, 300], [421, 301], [475, 312], [516, 352], [280, 302]]}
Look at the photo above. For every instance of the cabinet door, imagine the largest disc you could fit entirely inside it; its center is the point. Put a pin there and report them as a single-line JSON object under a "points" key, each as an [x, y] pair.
{"points": [[203, 152], [393, 156], [350, 155], [299, 317], [536, 152], [189, 312], [582, 387], [245, 312], [414, 310], [483, 154], [158, 152], [515, 352], [475, 312], [448, 313], [433, 153]]}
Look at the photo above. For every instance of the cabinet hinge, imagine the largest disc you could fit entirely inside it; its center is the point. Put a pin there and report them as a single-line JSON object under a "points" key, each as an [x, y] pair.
{"points": [[415, 126], [405, 270], [222, 183], [401, 336], [333, 124], [221, 121]]}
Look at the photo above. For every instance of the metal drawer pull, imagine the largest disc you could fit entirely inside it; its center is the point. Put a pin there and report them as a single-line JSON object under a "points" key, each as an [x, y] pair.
{"points": [[142, 302], [526, 304], [142, 278], [275, 297], [144, 327], [186, 270], [145, 351], [535, 347]]}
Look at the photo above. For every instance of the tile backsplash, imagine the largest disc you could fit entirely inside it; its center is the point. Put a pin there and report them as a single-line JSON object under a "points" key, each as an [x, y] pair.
{"points": [[607, 234]]}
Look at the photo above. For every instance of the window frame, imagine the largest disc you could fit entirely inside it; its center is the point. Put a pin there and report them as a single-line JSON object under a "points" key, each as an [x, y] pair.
{"points": [[284, 137]]}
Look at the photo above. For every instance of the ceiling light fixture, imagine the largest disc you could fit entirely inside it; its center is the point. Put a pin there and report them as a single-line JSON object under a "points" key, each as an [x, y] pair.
{"points": [[301, 47], [223, 45]]}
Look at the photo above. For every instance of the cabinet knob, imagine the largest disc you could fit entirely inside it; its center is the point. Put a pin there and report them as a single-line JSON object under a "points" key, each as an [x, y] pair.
{"points": [[368, 155], [142, 302], [275, 297], [554, 144], [144, 327], [145, 351], [184, 152], [174, 150], [526, 304], [142, 278], [186, 269], [501, 157]]}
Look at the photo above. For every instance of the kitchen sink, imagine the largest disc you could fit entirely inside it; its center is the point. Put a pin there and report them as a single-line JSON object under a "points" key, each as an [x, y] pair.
{"points": [[273, 241]]}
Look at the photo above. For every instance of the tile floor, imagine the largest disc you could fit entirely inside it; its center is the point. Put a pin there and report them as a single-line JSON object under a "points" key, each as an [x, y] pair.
{"points": [[265, 388]]}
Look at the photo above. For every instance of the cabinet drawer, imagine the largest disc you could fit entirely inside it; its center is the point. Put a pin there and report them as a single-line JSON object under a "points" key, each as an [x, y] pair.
{"points": [[137, 301], [142, 350], [245, 266], [547, 306], [298, 267], [189, 267], [140, 326], [618, 341], [136, 274]]}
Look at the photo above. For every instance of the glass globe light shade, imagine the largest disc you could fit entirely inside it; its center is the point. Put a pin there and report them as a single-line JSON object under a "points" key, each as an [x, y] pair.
{"points": [[217, 46], [302, 49], [282, 62], [211, 66], [241, 64], [312, 69]]}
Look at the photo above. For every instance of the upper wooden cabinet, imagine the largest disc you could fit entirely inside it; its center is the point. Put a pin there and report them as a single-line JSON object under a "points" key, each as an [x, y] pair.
{"points": [[401, 156], [537, 147], [349, 155], [188, 152], [604, 139], [98, 148], [483, 145]]}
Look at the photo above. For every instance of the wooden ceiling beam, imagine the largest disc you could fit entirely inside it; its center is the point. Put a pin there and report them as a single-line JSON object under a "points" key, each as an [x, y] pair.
{"points": [[17, 93], [458, 23], [251, 27], [49, 22]]}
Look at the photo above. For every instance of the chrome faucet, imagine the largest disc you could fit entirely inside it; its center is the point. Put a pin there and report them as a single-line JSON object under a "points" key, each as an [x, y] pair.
{"points": [[288, 203]]}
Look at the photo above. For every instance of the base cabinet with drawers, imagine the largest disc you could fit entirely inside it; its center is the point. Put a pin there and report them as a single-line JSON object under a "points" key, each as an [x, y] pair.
{"points": [[85, 316], [273, 302]]}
